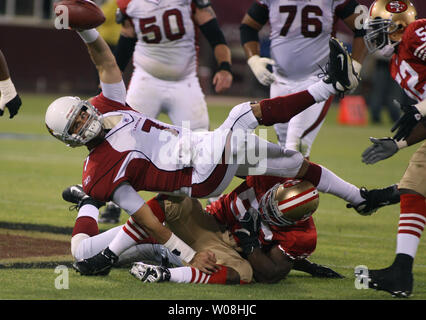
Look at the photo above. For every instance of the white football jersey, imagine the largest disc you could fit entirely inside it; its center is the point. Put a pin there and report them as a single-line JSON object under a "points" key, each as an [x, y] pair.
{"points": [[300, 31], [166, 37]]}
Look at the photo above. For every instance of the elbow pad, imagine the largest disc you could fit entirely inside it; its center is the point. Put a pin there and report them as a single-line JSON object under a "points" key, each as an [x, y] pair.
{"points": [[248, 34], [124, 51], [212, 32]]}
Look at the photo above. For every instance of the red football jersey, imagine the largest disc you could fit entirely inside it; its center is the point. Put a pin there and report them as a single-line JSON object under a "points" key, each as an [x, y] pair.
{"points": [[297, 241], [408, 64], [130, 153]]}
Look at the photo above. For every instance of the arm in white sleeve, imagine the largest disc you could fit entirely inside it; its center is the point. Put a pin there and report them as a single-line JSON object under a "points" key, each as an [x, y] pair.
{"points": [[127, 198]]}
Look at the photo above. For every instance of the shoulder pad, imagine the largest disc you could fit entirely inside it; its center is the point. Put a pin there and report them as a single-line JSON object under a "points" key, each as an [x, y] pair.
{"points": [[202, 3]]}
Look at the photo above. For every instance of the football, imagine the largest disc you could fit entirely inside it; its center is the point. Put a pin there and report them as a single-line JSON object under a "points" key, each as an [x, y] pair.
{"points": [[82, 14]]}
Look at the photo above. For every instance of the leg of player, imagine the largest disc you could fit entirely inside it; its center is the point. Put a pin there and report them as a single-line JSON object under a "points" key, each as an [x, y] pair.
{"points": [[397, 279], [153, 273]]}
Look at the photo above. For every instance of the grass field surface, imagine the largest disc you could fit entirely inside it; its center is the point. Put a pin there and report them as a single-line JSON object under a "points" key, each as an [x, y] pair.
{"points": [[35, 168]]}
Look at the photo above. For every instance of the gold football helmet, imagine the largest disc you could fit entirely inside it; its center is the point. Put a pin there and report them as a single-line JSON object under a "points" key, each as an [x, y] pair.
{"points": [[386, 22], [285, 204]]}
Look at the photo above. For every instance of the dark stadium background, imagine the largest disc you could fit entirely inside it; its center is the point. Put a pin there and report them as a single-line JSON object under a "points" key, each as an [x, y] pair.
{"points": [[45, 60]]}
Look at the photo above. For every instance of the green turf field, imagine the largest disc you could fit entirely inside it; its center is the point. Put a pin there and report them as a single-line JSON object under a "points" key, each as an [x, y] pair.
{"points": [[35, 168]]}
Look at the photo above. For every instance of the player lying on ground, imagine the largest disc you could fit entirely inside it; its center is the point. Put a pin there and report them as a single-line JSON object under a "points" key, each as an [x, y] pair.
{"points": [[130, 152], [394, 31], [228, 227]]}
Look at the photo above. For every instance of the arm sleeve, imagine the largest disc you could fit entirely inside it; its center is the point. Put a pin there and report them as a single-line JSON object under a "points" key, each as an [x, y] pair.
{"points": [[346, 9], [114, 91], [259, 12], [127, 198], [124, 51]]}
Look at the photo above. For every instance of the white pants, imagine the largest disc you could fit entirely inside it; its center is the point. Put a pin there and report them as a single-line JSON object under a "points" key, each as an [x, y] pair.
{"points": [[300, 132], [181, 100], [233, 149]]}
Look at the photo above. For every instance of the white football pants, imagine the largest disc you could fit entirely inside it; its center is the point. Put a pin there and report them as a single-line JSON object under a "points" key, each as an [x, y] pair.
{"points": [[181, 100], [300, 132]]}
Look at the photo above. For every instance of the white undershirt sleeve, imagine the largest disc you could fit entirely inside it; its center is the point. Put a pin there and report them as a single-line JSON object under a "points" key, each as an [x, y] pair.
{"points": [[114, 91], [127, 198]]}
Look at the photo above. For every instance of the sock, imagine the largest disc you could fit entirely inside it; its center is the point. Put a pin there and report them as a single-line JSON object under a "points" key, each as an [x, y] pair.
{"points": [[87, 221], [321, 91], [282, 109], [412, 222], [326, 181], [193, 275], [128, 236]]}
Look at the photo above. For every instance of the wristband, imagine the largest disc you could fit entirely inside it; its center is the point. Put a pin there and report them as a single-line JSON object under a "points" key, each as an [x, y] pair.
{"points": [[225, 65], [180, 248], [401, 144], [89, 36]]}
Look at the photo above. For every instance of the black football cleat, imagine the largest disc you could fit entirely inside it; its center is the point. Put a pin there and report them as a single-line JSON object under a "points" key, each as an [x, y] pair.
{"points": [[375, 199], [396, 281], [98, 265], [76, 195], [340, 71]]}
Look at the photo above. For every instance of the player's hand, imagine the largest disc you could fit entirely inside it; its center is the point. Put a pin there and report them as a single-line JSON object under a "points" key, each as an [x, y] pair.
{"points": [[248, 234], [316, 270], [222, 80], [410, 118], [380, 149], [12, 105], [205, 261], [258, 66]]}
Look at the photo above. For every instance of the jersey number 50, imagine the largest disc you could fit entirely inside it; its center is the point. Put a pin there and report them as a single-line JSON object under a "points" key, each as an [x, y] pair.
{"points": [[174, 28]]}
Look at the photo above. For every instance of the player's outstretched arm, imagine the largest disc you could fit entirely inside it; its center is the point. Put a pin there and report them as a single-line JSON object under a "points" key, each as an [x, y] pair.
{"points": [[102, 56], [206, 19], [9, 97]]}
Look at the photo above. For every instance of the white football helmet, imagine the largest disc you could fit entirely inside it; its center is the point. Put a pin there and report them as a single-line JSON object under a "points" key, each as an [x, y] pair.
{"points": [[61, 114], [385, 18], [285, 204]]}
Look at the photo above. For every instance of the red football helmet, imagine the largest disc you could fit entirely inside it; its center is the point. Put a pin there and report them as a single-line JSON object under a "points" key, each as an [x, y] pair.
{"points": [[285, 204]]}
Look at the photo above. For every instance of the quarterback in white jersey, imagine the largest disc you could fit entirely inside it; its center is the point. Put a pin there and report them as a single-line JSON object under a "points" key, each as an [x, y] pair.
{"points": [[300, 31], [163, 37], [130, 152]]}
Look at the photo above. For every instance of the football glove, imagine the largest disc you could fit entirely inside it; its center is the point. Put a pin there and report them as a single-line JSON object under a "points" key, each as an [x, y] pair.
{"points": [[9, 98], [248, 234], [258, 66], [316, 270], [406, 123], [380, 149]]}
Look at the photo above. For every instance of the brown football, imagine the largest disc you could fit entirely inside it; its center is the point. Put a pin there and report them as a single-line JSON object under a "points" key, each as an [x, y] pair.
{"points": [[82, 14]]}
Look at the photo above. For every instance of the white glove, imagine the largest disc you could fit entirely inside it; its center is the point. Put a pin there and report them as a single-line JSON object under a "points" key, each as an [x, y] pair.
{"points": [[357, 66], [258, 66]]}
